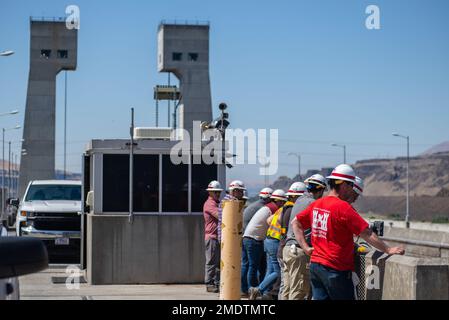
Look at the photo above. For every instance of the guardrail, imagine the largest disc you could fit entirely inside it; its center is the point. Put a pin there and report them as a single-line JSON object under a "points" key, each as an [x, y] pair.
{"points": [[185, 22], [418, 242], [48, 19]]}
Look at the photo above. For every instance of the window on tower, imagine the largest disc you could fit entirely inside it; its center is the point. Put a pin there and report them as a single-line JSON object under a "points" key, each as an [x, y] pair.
{"points": [[45, 54], [63, 54], [193, 56], [177, 56]]}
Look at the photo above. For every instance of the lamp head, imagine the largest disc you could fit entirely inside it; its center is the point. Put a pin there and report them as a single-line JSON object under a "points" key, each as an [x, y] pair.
{"points": [[223, 106]]}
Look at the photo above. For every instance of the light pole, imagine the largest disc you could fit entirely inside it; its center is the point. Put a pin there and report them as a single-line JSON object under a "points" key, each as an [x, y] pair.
{"points": [[344, 150], [265, 163], [3, 165], [65, 128], [299, 161], [9, 170], [407, 215], [10, 113], [6, 53]]}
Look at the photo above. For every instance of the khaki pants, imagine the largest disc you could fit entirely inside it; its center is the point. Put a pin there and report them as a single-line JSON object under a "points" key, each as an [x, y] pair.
{"points": [[296, 274]]}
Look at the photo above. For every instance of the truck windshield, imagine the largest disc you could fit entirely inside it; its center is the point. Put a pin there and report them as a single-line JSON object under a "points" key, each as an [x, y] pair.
{"points": [[53, 192]]}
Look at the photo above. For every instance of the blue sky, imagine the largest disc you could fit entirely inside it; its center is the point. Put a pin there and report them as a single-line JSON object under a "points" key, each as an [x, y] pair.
{"points": [[308, 68]]}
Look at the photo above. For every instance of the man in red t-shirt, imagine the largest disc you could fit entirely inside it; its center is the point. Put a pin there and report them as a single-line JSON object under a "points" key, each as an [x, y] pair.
{"points": [[334, 222]]}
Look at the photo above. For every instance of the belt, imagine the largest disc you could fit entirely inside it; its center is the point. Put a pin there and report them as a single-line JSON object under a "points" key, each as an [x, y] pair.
{"points": [[250, 238]]}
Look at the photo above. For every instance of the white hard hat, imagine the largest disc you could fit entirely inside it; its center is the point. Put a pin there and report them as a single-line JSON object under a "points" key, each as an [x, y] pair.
{"points": [[297, 189], [317, 179], [343, 172], [214, 186], [358, 186], [279, 195], [237, 184], [265, 193]]}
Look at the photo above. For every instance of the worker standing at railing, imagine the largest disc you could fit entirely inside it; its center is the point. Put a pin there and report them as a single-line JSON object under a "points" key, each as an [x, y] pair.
{"points": [[296, 262], [210, 212], [334, 222]]}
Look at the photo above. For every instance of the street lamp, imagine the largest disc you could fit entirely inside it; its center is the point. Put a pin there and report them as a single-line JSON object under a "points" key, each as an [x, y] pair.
{"points": [[299, 161], [3, 164], [9, 113], [344, 150], [6, 53], [265, 163], [407, 215]]}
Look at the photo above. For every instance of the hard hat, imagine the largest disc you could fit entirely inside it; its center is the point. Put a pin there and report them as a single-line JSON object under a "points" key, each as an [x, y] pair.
{"points": [[214, 186], [343, 172], [317, 179], [358, 186], [237, 184], [279, 195], [265, 193], [297, 189]]}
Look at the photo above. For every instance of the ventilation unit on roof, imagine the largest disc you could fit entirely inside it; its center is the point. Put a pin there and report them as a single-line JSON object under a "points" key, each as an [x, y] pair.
{"points": [[153, 134]]}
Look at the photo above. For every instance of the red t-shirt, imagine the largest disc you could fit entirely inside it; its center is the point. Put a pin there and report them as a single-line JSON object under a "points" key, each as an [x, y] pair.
{"points": [[334, 223]]}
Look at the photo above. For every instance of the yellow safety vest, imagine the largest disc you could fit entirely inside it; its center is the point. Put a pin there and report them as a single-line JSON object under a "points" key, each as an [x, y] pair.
{"points": [[275, 230]]}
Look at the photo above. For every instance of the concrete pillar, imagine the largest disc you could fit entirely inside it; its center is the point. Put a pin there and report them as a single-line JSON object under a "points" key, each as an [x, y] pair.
{"points": [[410, 278], [231, 250], [183, 49], [53, 48]]}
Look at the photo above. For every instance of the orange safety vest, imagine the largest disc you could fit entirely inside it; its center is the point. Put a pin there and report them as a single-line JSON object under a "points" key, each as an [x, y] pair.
{"points": [[275, 230]]}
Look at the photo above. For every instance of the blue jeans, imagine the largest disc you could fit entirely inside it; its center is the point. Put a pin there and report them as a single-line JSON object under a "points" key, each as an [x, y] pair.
{"points": [[245, 268], [273, 268], [331, 284], [254, 254]]}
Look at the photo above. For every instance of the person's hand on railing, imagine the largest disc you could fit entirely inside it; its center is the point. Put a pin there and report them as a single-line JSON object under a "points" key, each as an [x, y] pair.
{"points": [[395, 250]]}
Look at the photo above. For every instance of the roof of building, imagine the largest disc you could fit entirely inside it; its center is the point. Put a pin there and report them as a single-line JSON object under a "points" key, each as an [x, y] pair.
{"points": [[62, 182]]}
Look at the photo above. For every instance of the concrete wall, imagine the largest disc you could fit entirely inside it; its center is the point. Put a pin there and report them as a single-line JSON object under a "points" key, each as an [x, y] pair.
{"points": [[152, 250], [196, 103], [406, 278], [410, 278], [425, 236], [40, 114]]}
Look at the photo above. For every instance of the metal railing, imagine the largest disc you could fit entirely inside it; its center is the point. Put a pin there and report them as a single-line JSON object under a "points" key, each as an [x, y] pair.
{"points": [[418, 242], [47, 19], [185, 22]]}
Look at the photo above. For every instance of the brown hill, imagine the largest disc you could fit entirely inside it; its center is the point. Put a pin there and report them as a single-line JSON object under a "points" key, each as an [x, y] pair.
{"points": [[385, 185], [429, 176]]}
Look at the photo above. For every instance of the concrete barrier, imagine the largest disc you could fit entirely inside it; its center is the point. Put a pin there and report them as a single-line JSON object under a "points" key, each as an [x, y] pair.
{"points": [[423, 243], [410, 278], [154, 249], [374, 274]]}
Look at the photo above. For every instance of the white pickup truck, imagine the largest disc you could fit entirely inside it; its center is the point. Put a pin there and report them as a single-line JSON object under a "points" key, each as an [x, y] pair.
{"points": [[51, 211]]}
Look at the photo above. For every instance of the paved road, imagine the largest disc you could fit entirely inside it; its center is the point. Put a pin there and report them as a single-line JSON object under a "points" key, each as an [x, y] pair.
{"points": [[39, 286]]}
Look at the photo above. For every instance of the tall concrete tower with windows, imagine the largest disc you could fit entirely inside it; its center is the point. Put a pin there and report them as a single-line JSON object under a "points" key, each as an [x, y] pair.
{"points": [[53, 48], [184, 51]]}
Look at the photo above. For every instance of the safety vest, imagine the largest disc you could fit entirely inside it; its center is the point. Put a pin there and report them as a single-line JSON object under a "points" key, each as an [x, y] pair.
{"points": [[276, 231]]}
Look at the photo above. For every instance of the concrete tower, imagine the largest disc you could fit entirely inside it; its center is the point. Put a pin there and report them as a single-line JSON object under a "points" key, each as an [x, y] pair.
{"points": [[184, 51], [53, 48]]}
